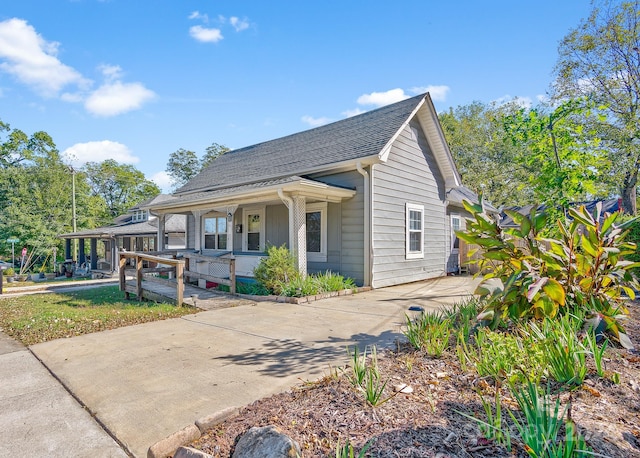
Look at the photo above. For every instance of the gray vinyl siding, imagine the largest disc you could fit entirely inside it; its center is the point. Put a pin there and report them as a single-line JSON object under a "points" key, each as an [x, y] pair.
{"points": [[345, 229], [191, 232], [410, 175], [277, 225]]}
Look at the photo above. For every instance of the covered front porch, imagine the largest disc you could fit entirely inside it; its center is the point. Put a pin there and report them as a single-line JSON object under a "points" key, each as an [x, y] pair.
{"points": [[240, 223]]}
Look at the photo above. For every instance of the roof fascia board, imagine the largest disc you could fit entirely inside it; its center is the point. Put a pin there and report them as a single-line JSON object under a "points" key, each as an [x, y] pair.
{"points": [[336, 167], [440, 147], [386, 150], [308, 188]]}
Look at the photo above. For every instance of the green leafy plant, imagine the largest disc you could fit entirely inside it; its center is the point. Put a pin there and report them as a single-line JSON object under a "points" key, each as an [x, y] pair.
{"points": [[540, 428], [597, 352], [297, 286], [429, 331], [358, 366], [530, 276], [276, 269], [493, 428], [505, 356], [365, 376], [565, 354], [9, 272], [347, 451], [330, 281]]}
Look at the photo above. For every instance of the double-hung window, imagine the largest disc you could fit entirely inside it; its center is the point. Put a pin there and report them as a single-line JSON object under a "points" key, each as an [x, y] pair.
{"points": [[414, 231], [215, 233], [316, 224]]}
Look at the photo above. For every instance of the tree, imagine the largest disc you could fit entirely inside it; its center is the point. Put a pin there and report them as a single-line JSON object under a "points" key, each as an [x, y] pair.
{"points": [[121, 186], [36, 192], [563, 158], [485, 154], [600, 59], [212, 153], [184, 164]]}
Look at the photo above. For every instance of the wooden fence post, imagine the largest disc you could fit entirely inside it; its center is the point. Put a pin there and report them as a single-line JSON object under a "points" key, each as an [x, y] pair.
{"points": [[179, 283], [139, 277]]}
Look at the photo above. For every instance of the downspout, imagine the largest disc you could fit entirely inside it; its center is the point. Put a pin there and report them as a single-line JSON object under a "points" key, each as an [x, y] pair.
{"points": [[288, 202], [367, 226]]}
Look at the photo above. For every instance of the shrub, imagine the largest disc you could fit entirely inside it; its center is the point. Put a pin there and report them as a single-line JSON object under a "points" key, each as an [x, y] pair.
{"points": [[277, 269], [9, 272], [585, 269]]}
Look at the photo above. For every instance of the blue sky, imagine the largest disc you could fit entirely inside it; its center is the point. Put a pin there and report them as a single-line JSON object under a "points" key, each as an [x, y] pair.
{"points": [[134, 80]]}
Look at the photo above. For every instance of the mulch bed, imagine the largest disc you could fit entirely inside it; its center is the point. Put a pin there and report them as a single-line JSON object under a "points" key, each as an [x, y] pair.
{"points": [[427, 422]]}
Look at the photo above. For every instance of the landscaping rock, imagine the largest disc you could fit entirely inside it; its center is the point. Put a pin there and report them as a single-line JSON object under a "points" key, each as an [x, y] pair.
{"points": [[266, 442], [188, 452]]}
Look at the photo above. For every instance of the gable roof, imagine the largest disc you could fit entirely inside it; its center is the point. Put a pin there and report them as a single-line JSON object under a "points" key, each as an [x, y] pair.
{"points": [[367, 135]]}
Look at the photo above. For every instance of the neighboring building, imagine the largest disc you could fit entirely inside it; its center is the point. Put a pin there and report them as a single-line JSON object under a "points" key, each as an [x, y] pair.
{"points": [[135, 231], [374, 197]]}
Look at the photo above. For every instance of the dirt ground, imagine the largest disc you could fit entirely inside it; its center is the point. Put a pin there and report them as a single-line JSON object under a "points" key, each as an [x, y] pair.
{"points": [[427, 422]]}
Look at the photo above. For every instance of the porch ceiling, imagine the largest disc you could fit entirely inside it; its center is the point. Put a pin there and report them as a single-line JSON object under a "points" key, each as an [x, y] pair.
{"points": [[259, 192]]}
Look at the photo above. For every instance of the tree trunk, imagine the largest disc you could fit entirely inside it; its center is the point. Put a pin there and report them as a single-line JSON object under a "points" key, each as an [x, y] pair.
{"points": [[628, 192]]}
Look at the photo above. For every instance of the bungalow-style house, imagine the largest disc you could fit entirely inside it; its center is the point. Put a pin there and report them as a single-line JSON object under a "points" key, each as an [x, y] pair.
{"points": [[375, 197], [137, 230]]}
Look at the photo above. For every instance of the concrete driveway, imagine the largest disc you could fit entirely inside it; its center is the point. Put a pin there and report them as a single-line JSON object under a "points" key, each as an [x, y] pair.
{"points": [[145, 382]]}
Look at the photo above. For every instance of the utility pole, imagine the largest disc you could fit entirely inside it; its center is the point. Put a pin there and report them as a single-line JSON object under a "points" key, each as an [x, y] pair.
{"points": [[73, 208]]}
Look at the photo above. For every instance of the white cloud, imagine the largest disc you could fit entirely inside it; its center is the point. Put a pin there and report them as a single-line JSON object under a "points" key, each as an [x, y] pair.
{"points": [[33, 61], [354, 112], [111, 72], [98, 151], [524, 102], [238, 24], [380, 99], [197, 15], [205, 35], [114, 98], [163, 180], [437, 93], [315, 122]]}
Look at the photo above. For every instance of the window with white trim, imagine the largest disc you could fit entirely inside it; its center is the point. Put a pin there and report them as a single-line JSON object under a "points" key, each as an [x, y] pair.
{"points": [[316, 224], [414, 231], [139, 215], [253, 237], [215, 233]]}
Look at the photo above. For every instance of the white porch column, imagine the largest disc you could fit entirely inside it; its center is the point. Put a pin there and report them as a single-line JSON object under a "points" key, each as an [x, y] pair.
{"points": [[230, 231], [197, 243], [299, 242], [162, 219]]}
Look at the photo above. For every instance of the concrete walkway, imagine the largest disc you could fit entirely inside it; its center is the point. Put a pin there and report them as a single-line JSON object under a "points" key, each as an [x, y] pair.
{"points": [[148, 381], [39, 417]]}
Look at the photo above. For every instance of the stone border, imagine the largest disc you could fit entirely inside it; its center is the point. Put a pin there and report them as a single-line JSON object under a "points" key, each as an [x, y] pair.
{"points": [[305, 299], [188, 434]]}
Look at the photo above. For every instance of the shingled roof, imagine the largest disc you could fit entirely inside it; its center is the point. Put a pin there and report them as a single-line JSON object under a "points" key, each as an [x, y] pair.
{"points": [[353, 138]]}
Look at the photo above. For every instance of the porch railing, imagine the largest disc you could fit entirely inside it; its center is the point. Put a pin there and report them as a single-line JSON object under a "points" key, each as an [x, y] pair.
{"points": [[173, 267], [219, 270]]}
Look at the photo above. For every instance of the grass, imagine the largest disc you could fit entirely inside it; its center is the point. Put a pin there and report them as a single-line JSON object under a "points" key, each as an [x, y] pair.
{"points": [[39, 318]]}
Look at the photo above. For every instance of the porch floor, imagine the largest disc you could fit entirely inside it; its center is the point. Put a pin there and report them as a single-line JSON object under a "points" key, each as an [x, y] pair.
{"points": [[207, 299]]}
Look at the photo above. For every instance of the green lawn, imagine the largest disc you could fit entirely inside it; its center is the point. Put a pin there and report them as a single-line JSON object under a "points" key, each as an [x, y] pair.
{"points": [[41, 317]]}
